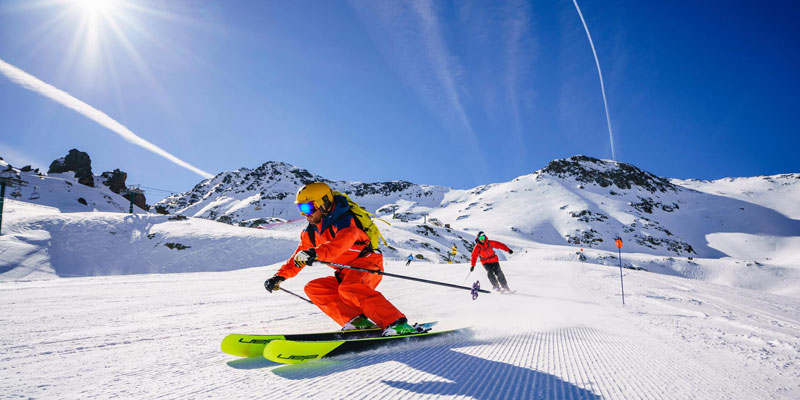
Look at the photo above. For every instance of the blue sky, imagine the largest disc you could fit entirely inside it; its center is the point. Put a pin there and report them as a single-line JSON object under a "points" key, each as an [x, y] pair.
{"points": [[449, 93]]}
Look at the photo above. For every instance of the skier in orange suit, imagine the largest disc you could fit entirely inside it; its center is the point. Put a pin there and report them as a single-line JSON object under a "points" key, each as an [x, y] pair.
{"points": [[333, 235]]}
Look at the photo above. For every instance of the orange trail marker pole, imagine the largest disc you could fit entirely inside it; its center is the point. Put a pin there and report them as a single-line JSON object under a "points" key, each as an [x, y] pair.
{"points": [[621, 285]]}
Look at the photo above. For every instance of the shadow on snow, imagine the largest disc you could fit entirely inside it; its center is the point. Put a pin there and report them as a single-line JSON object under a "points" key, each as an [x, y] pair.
{"points": [[466, 375], [251, 363]]}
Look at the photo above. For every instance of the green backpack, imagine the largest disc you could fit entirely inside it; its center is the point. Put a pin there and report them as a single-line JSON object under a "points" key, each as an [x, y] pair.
{"points": [[365, 223]]}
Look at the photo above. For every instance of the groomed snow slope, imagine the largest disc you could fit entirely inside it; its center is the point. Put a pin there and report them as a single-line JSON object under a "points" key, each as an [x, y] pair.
{"points": [[564, 335]]}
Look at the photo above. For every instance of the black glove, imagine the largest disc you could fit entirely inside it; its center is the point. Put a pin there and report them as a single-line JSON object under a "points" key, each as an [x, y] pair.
{"points": [[510, 251], [472, 268], [305, 257], [273, 283]]}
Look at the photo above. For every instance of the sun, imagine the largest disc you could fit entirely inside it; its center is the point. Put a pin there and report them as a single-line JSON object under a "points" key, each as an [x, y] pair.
{"points": [[97, 6], [96, 23]]}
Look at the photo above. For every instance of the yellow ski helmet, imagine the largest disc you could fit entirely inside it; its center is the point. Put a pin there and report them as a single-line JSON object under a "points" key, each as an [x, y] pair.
{"points": [[313, 196]]}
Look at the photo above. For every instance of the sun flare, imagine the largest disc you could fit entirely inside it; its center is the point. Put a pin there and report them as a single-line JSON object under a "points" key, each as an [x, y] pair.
{"points": [[96, 6]]}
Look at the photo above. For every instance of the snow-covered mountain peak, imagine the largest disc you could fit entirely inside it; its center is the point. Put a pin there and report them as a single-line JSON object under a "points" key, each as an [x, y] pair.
{"points": [[579, 201], [605, 173], [246, 178], [254, 196]]}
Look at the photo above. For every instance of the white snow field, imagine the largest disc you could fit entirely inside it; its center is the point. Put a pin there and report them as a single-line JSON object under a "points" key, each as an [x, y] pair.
{"points": [[563, 335], [39, 242]]}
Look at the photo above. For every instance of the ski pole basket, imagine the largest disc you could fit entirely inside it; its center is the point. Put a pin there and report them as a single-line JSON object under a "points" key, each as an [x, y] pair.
{"points": [[476, 287]]}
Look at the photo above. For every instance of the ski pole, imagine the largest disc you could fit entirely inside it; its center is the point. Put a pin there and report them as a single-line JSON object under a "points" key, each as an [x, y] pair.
{"points": [[372, 271], [465, 279], [295, 295]]}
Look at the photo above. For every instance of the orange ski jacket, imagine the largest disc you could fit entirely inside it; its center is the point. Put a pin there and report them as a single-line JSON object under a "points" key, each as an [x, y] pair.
{"points": [[485, 252], [337, 239]]}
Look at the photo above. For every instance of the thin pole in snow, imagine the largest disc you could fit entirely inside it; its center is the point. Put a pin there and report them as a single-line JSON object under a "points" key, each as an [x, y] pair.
{"points": [[619, 251]]}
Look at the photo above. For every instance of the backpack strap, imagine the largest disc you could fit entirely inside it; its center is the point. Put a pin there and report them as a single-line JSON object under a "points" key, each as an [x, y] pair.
{"points": [[360, 226], [311, 234]]}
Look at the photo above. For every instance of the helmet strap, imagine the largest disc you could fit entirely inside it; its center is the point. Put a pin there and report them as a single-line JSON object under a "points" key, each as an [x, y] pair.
{"points": [[327, 205]]}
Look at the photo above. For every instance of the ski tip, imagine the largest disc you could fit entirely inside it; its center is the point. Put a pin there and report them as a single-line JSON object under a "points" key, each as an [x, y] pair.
{"points": [[242, 345], [292, 352]]}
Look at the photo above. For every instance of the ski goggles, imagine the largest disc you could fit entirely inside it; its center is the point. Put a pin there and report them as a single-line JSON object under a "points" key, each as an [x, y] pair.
{"points": [[482, 237], [306, 208]]}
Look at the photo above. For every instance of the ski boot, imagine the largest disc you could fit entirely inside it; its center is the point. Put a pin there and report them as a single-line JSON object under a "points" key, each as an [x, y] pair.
{"points": [[359, 322], [399, 327]]}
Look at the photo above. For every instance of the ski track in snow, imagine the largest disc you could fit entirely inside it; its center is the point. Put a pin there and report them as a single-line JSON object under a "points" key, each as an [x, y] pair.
{"points": [[563, 336]]}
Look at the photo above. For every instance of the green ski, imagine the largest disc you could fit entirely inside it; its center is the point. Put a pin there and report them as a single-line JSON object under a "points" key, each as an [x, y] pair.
{"points": [[248, 345], [288, 351]]}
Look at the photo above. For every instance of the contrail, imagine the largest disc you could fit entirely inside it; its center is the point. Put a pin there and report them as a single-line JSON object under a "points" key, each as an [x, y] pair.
{"points": [[410, 36], [32, 83], [600, 74]]}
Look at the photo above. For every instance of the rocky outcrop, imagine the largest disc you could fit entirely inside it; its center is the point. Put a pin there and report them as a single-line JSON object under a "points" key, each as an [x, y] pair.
{"points": [[115, 180], [162, 210], [380, 188], [139, 199], [606, 173], [80, 163], [75, 161]]}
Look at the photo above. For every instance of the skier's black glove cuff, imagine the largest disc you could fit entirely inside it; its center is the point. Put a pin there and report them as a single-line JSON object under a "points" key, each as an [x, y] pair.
{"points": [[273, 283], [510, 251], [472, 268]]}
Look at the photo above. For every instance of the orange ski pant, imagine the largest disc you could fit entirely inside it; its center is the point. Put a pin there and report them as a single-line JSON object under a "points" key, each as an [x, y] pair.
{"points": [[355, 294]]}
